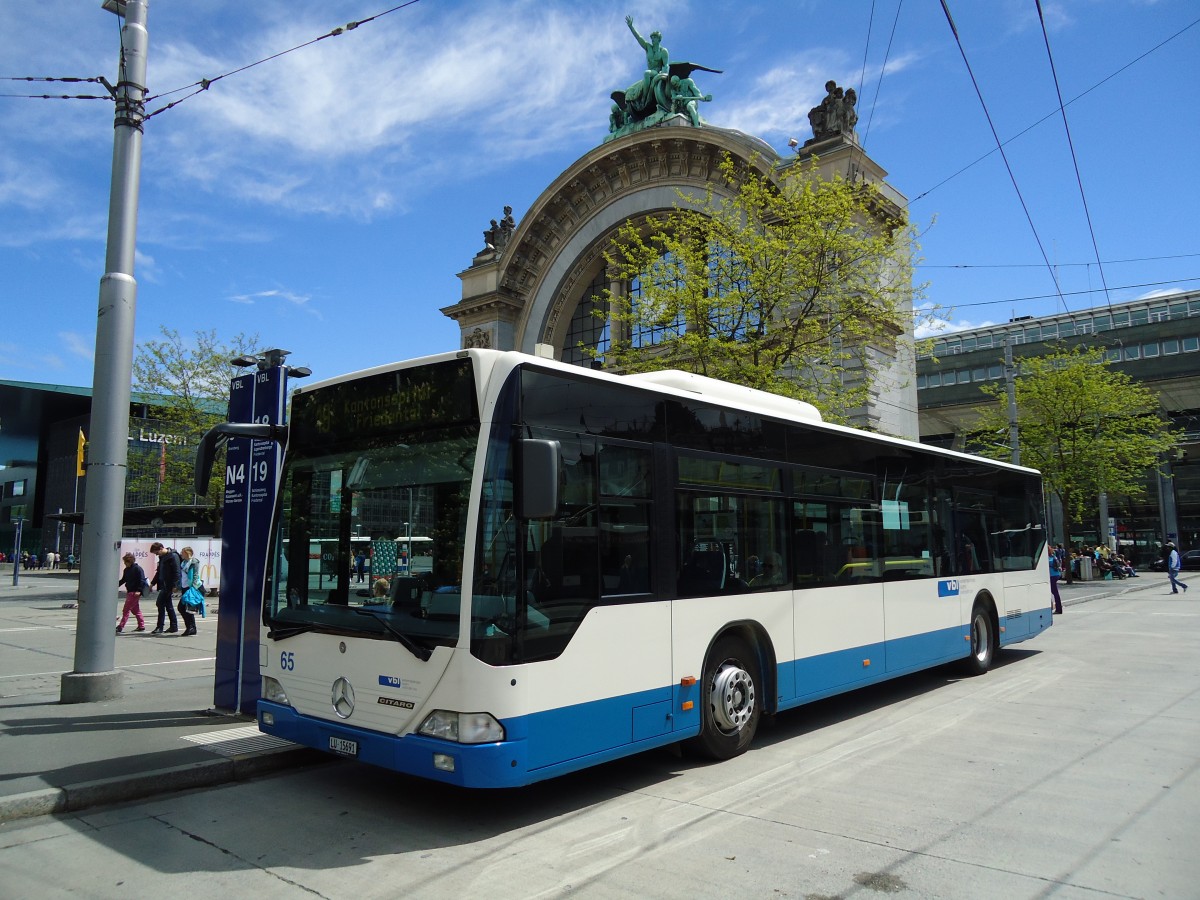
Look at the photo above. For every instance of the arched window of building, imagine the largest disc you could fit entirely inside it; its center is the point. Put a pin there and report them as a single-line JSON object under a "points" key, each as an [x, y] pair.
{"points": [[587, 330]]}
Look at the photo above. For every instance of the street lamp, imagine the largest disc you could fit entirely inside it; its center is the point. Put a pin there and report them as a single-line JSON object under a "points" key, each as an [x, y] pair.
{"points": [[17, 553], [407, 548]]}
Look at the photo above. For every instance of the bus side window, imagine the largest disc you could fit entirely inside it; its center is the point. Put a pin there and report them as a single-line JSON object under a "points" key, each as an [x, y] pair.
{"points": [[705, 572], [625, 507]]}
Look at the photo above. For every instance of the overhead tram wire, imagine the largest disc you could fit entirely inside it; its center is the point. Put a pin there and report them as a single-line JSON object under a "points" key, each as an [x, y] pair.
{"points": [[1074, 160], [861, 78], [862, 75], [205, 83], [1111, 262], [883, 68], [1003, 155], [1061, 294], [1048, 115], [69, 80]]}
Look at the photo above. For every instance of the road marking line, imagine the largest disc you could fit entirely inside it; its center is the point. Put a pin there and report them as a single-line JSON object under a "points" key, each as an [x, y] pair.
{"points": [[170, 662]]}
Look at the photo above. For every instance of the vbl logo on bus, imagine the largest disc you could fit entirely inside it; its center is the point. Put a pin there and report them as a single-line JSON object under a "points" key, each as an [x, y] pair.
{"points": [[948, 587]]}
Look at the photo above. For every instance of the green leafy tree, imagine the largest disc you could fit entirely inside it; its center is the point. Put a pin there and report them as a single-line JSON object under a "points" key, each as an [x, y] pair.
{"points": [[184, 380], [1088, 427], [791, 284]]}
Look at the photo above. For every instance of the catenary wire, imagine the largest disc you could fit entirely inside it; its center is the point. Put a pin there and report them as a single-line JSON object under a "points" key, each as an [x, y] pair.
{"points": [[1109, 262], [862, 75], [1144, 284], [205, 83], [65, 80], [1074, 159], [882, 69], [1004, 156], [1048, 115]]}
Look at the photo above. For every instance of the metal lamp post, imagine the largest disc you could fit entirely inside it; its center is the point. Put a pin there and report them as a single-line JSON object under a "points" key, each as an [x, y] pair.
{"points": [[94, 677]]}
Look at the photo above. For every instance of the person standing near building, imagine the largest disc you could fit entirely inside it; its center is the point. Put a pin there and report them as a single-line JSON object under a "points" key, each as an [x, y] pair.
{"points": [[189, 575], [134, 579], [166, 579], [1173, 565], [1055, 574]]}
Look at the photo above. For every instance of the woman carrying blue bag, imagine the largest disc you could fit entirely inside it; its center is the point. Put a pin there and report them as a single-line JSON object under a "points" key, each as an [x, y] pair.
{"points": [[1055, 575], [192, 601]]}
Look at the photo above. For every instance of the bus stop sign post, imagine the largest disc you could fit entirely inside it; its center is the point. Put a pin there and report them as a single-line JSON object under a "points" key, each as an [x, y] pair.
{"points": [[251, 483], [234, 526], [270, 387]]}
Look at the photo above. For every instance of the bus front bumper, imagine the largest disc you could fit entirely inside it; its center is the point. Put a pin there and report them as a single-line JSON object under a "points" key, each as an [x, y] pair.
{"points": [[467, 765]]}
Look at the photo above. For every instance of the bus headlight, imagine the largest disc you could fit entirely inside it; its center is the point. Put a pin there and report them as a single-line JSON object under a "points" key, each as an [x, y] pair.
{"points": [[462, 728], [272, 690]]}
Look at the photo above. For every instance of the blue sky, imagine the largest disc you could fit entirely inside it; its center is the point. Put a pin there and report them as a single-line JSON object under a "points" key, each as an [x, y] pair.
{"points": [[327, 199]]}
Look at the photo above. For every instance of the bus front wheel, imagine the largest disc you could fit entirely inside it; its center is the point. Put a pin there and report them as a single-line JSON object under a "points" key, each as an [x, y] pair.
{"points": [[732, 706], [983, 640]]}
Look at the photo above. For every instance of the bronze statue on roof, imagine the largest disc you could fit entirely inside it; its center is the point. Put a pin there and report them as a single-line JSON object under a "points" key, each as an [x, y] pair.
{"points": [[665, 90]]}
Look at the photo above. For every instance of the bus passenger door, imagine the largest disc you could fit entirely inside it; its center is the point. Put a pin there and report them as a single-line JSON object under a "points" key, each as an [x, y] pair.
{"points": [[838, 599], [921, 594]]}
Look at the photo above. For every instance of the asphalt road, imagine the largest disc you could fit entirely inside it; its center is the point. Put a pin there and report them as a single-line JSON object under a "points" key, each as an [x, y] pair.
{"points": [[1070, 770]]}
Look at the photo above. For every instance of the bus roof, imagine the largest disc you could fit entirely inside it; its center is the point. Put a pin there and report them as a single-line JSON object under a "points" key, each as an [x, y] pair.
{"points": [[491, 364]]}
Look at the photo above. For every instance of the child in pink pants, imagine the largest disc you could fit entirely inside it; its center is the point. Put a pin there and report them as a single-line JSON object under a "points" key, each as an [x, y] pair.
{"points": [[134, 579]]}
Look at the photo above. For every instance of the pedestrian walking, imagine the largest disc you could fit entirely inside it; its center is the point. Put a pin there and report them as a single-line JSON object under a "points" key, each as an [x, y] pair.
{"points": [[134, 579], [1055, 574], [189, 575], [166, 579], [1173, 565]]}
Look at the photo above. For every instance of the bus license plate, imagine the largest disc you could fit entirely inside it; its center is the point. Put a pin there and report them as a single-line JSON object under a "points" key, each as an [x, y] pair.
{"points": [[343, 746]]}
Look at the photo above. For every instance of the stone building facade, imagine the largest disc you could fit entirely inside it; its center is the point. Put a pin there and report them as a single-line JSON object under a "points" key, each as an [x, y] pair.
{"points": [[532, 287]]}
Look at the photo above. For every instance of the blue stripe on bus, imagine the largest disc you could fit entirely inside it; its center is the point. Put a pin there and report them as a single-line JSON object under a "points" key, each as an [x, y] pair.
{"points": [[557, 741], [1025, 626]]}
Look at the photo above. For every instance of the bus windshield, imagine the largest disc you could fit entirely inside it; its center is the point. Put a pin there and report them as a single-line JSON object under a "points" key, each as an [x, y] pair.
{"points": [[356, 509]]}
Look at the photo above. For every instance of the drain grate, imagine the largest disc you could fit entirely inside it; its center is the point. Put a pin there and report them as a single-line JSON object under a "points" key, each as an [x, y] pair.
{"points": [[242, 741]]}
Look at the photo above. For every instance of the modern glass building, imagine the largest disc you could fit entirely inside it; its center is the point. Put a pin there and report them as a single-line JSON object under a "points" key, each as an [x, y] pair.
{"points": [[40, 484], [1155, 341]]}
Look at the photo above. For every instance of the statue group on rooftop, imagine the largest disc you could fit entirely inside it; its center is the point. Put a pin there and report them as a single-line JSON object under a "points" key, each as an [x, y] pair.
{"points": [[835, 115], [666, 89]]}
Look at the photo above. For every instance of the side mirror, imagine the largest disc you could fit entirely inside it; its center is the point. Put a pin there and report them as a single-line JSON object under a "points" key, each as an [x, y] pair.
{"points": [[539, 469], [206, 453]]}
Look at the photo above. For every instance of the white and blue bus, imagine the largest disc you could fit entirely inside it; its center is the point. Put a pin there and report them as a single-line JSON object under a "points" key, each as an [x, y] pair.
{"points": [[617, 563]]}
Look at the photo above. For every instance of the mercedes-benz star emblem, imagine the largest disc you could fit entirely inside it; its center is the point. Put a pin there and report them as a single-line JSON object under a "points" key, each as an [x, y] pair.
{"points": [[343, 698]]}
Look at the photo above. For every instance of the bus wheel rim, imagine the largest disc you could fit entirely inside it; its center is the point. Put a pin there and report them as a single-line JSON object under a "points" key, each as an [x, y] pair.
{"points": [[732, 697], [981, 638]]}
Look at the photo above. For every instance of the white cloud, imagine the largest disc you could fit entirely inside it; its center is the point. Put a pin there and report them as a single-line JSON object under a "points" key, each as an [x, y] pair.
{"points": [[775, 108], [372, 100], [1162, 292], [290, 298], [932, 321], [80, 345]]}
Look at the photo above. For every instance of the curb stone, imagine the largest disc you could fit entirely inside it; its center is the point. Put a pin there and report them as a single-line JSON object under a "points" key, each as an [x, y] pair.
{"points": [[142, 785]]}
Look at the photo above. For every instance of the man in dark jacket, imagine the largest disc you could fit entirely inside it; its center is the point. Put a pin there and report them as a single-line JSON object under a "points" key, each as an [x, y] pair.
{"points": [[166, 579]]}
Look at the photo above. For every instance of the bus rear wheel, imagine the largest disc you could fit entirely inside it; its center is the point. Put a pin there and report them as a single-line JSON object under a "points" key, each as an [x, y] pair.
{"points": [[732, 706], [983, 640]]}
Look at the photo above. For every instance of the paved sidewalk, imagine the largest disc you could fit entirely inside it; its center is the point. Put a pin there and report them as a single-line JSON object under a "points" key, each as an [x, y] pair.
{"points": [[161, 736]]}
